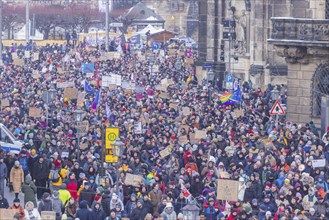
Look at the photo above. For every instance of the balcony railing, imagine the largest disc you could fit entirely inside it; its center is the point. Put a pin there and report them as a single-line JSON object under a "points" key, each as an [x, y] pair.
{"points": [[299, 30]]}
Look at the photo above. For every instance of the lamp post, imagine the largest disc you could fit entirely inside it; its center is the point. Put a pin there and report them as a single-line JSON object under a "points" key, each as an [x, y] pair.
{"points": [[275, 94], [191, 212], [78, 116], [50, 95], [118, 151]]}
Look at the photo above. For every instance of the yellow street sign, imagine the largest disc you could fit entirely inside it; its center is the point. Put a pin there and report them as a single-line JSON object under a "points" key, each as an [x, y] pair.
{"points": [[172, 18], [111, 159], [111, 136]]}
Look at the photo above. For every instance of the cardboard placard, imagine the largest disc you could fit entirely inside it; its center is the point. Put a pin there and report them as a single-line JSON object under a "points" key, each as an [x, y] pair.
{"points": [[7, 214], [18, 62], [133, 180], [71, 93], [227, 190], [192, 138], [81, 98], [65, 154], [5, 103], [165, 152], [164, 95], [63, 85], [200, 134], [48, 215], [161, 88], [82, 126], [138, 127], [36, 75], [186, 111], [83, 146], [35, 57], [186, 127], [237, 113], [27, 54], [112, 87], [34, 112], [172, 105], [319, 163], [183, 140]]}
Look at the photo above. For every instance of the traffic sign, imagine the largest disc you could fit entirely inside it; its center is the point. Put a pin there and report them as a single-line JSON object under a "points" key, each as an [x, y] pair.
{"points": [[229, 77], [277, 109], [111, 136]]}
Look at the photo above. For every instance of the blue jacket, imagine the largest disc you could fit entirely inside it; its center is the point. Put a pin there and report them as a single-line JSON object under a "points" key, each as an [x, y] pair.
{"points": [[211, 213]]}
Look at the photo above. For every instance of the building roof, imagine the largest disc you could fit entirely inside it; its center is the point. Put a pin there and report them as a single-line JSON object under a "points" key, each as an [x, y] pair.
{"points": [[141, 12]]}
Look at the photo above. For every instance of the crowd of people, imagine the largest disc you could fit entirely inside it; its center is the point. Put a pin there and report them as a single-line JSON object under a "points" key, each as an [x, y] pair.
{"points": [[61, 170]]}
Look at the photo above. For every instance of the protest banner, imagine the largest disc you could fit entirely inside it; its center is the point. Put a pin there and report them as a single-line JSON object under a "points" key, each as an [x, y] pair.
{"points": [[319, 163], [200, 134], [227, 190], [133, 180], [186, 111], [34, 112], [114, 79], [62, 85], [48, 215], [7, 214], [129, 86], [139, 89], [71, 93], [5, 103], [183, 140]]}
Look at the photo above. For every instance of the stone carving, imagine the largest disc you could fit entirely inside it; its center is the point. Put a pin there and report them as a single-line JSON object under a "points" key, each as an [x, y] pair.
{"points": [[241, 25], [293, 54]]}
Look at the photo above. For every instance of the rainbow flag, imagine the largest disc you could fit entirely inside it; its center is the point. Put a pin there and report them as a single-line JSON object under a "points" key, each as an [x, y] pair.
{"points": [[226, 97]]}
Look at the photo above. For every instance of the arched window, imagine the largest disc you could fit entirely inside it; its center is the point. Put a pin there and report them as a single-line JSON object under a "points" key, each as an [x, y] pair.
{"points": [[320, 87]]}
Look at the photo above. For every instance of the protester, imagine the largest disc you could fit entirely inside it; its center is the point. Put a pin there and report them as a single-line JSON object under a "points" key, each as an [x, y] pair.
{"points": [[3, 176], [17, 178], [30, 212], [17, 207], [29, 189]]}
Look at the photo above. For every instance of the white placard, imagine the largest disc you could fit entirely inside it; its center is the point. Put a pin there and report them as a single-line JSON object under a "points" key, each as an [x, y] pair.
{"points": [[112, 79], [319, 163]]}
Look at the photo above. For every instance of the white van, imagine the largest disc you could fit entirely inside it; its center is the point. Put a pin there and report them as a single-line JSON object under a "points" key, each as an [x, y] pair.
{"points": [[8, 142]]}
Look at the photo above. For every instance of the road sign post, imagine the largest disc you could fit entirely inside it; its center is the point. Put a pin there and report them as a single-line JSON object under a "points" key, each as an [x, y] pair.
{"points": [[111, 136], [277, 110]]}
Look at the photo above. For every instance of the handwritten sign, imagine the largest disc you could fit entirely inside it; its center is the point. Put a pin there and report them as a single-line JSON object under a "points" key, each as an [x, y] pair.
{"points": [[227, 190], [71, 93], [164, 95], [161, 88], [65, 155], [319, 163], [82, 126], [138, 127], [165, 152], [34, 112], [183, 140], [200, 134], [48, 215], [237, 113], [8, 214], [172, 105], [18, 62], [186, 111], [81, 98], [4, 103], [35, 57], [62, 85], [27, 54], [133, 180]]}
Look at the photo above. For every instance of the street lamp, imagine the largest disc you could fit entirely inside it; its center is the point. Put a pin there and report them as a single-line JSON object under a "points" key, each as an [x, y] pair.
{"points": [[50, 96], [191, 212], [78, 116], [118, 151]]}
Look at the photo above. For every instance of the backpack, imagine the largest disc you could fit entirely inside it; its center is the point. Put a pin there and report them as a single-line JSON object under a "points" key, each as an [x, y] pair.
{"points": [[55, 176]]}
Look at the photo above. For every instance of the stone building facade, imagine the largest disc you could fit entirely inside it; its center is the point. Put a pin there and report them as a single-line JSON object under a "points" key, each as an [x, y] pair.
{"points": [[277, 41]]}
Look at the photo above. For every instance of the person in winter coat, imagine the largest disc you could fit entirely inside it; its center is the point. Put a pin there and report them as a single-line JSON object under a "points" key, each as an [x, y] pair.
{"points": [[30, 212], [106, 202], [211, 211], [169, 212], [17, 206], [309, 200], [87, 194], [155, 196], [40, 175], [46, 203], [29, 189], [3, 176], [140, 211], [57, 205], [116, 201], [320, 206], [131, 204], [71, 208], [180, 202], [249, 193], [97, 212], [72, 185], [64, 194], [83, 212], [3, 203], [17, 177], [148, 204]]}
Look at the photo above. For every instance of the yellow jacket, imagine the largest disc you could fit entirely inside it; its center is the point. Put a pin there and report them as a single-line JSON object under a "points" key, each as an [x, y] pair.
{"points": [[64, 195], [63, 174]]}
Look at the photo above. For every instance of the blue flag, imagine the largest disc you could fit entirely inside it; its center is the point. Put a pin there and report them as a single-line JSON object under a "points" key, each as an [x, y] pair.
{"points": [[88, 88], [96, 100], [237, 95]]}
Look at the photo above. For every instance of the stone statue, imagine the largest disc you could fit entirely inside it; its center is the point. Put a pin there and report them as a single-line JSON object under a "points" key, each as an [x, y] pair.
{"points": [[240, 18]]}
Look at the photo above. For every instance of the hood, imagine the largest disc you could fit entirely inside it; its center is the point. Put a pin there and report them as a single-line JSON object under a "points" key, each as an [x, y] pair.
{"points": [[83, 204], [29, 202], [100, 206]]}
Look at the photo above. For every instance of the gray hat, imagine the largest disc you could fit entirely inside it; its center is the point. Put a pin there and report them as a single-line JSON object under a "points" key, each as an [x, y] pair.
{"points": [[55, 194]]}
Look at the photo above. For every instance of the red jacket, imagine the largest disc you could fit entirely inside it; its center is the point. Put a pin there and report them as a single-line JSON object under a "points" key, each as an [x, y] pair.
{"points": [[72, 187]]}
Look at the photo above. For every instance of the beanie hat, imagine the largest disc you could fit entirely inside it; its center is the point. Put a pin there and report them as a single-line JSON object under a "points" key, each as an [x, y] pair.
{"points": [[28, 178], [254, 200], [16, 200], [45, 195], [141, 201], [100, 189], [57, 163], [55, 194]]}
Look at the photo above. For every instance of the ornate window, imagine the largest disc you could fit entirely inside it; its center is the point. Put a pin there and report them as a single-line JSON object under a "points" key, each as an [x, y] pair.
{"points": [[320, 87]]}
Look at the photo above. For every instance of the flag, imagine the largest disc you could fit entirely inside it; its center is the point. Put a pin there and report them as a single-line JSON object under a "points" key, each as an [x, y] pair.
{"points": [[185, 192], [88, 88], [108, 111], [237, 95], [226, 97], [96, 100]]}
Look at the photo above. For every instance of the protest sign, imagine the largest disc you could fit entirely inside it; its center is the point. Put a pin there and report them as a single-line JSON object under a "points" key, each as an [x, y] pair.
{"points": [[227, 190], [81, 98], [164, 95], [133, 180], [139, 89], [62, 85], [112, 87], [171, 52], [237, 113], [138, 127], [183, 140], [34, 112], [155, 69], [18, 62], [36, 75], [161, 88], [48, 215], [192, 138], [186, 111], [114, 79], [71, 93], [165, 152], [128, 86], [200, 134], [83, 146], [319, 163], [35, 57], [4, 103], [27, 54], [172, 105], [82, 126], [185, 127], [65, 155], [7, 214]]}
